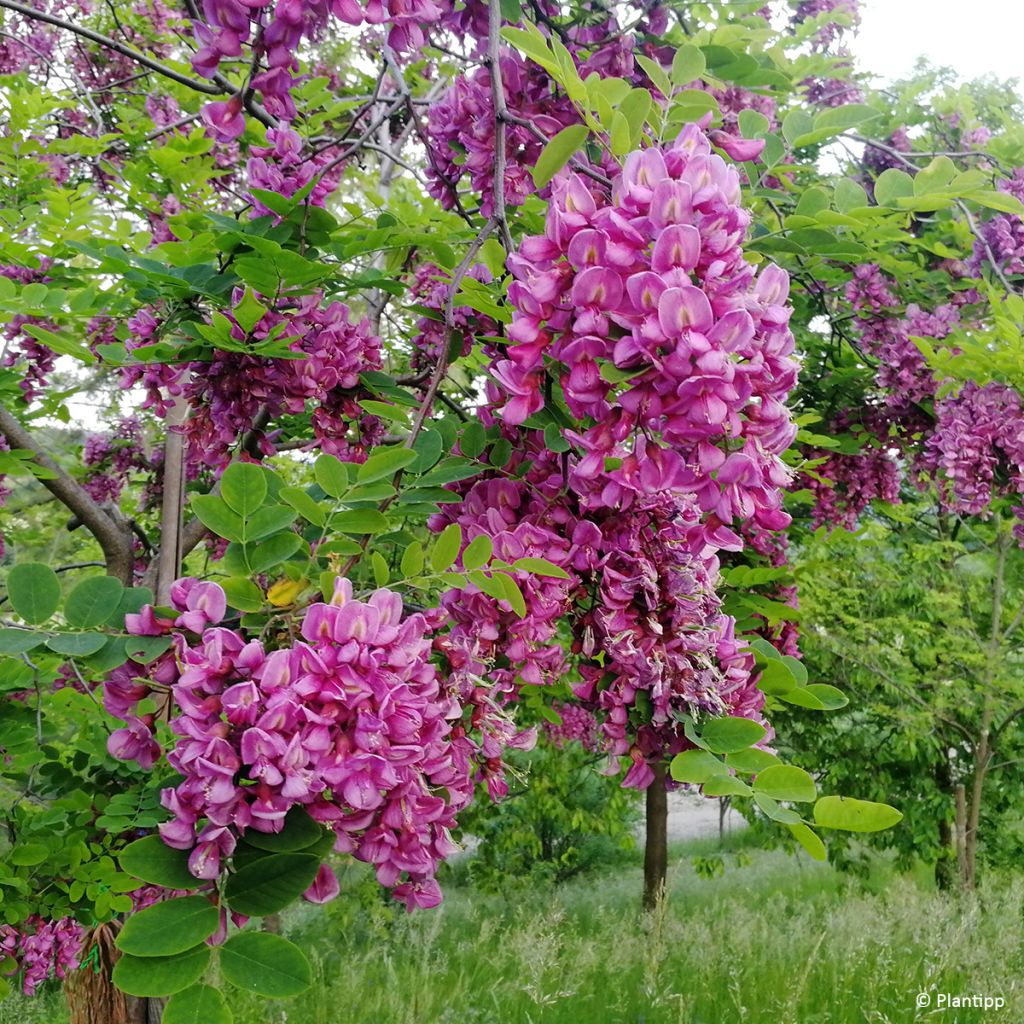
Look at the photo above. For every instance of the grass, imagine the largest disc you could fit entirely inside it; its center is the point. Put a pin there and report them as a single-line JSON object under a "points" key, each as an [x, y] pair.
{"points": [[772, 940]]}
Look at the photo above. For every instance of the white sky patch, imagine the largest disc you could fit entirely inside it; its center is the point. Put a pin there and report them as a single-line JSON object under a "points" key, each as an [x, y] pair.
{"points": [[976, 38]]}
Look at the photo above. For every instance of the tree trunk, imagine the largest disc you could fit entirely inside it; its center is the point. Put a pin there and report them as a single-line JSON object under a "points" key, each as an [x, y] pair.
{"points": [[961, 834], [656, 840], [945, 864], [92, 997]]}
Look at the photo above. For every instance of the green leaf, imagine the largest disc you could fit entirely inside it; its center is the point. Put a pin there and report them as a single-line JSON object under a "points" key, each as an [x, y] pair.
{"points": [[360, 520], [242, 593], [473, 440], [854, 815], [725, 785], [151, 860], [816, 697], [274, 551], [381, 572], [774, 810], [304, 504], [540, 567], [727, 735], [786, 782], [751, 760], [695, 766], [512, 594], [385, 463], [76, 645], [893, 184], [656, 73], [429, 446], [144, 649], [168, 928], [244, 487], [478, 552], [557, 153], [213, 512], [935, 177], [331, 474], [841, 118], [553, 439], [446, 550], [34, 591], [92, 601], [299, 833], [249, 311], [268, 520], [776, 678], [29, 854], [809, 840], [412, 560], [796, 667], [266, 964], [687, 65], [270, 884], [849, 195], [19, 641], [199, 1004], [151, 976], [795, 124]]}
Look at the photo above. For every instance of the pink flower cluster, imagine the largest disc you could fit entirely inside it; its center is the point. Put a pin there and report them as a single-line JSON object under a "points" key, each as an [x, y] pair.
{"points": [[281, 168], [431, 287], [268, 34], [979, 437], [649, 286], [578, 725], [352, 722], [845, 17], [34, 359], [649, 642], [902, 370], [1002, 236], [42, 949], [235, 393], [111, 458], [461, 132]]}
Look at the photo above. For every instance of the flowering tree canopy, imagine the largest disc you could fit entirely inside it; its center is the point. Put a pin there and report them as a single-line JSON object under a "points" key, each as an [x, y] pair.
{"points": [[448, 359]]}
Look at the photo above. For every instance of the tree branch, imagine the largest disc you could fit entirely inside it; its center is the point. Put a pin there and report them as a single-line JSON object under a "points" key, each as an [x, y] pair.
{"points": [[209, 88], [113, 537]]}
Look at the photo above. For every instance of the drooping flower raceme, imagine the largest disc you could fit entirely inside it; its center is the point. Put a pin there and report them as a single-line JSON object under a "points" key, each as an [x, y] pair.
{"points": [[353, 722]]}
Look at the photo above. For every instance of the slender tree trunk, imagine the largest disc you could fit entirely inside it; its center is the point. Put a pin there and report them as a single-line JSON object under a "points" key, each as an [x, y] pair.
{"points": [[945, 864], [961, 834], [656, 840]]}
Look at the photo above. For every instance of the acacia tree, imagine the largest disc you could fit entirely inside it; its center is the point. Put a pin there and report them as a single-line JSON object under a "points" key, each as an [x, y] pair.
{"points": [[452, 364]]}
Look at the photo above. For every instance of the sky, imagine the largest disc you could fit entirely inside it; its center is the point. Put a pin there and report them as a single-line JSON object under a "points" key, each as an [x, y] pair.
{"points": [[974, 37]]}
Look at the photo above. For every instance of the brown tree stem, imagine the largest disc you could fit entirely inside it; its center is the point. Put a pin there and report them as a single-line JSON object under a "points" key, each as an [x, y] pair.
{"points": [[656, 840], [113, 537]]}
